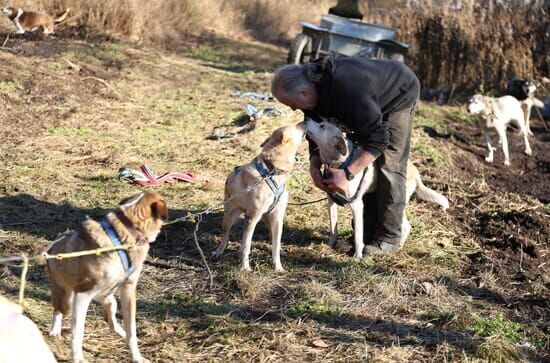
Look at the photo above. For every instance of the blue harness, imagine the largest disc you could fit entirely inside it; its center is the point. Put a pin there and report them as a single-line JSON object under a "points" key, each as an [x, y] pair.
{"points": [[123, 254]]}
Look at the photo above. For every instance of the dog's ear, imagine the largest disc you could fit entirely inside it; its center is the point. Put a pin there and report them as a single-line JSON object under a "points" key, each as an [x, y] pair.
{"points": [[274, 139], [159, 210], [341, 145]]}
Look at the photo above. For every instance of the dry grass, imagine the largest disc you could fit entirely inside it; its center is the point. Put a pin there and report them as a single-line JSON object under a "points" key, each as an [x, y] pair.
{"points": [[482, 44], [66, 139]]}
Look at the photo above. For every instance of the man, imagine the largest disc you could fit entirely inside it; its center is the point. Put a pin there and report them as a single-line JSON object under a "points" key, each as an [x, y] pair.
{"points": [[375, 100]]}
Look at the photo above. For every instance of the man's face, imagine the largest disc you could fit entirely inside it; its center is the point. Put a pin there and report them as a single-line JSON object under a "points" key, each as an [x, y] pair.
{"points": [[306, 99]]}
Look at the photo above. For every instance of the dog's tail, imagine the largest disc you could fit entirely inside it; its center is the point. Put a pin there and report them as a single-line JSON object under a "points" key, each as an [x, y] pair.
{"points": [[430, 195], [59, 18]]}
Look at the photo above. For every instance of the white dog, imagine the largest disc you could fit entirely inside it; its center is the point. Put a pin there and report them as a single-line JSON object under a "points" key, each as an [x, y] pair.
{"points": [[335, 149], [497, 113]]}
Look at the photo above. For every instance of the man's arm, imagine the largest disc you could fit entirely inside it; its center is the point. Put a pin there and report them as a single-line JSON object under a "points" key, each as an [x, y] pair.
{"points": [[361, 161]]}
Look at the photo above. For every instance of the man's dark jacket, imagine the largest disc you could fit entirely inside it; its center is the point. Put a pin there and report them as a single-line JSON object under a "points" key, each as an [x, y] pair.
{"points": [[361, 93]]}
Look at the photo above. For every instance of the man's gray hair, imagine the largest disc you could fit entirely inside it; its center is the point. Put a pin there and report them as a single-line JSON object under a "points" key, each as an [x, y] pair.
{"points": [[290, 79]]}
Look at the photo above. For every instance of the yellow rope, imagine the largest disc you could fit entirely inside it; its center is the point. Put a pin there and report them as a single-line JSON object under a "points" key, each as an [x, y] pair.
{"points": [[23, 279], [97, 252]]}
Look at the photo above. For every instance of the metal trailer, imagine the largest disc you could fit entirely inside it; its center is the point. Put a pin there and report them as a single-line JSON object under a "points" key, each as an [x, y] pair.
{"points": [[343, 36]]}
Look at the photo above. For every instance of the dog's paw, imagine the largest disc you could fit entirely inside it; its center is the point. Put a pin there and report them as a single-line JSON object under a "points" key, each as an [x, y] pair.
{"points": [[489, 159], [528, 152], [280, 270], [246, 268], [55, 332], [507, 162]]}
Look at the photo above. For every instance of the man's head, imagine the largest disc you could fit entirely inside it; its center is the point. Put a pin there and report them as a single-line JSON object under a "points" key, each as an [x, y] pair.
{"points": [[292, 87]]}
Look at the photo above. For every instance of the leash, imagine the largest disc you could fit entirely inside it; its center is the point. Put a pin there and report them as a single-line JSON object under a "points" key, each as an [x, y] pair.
{"points": [[145, 177]]}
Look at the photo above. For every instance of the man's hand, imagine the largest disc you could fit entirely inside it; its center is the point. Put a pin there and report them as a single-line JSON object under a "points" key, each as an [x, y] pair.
{"points": [[315, 171], [337, 181]]}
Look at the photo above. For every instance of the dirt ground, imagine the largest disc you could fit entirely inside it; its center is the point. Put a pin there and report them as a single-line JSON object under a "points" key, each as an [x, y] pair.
{"points": [[472, 284]]}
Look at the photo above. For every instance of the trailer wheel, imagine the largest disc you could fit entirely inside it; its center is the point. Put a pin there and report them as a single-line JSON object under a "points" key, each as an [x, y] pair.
{"points": [[300, 50]]}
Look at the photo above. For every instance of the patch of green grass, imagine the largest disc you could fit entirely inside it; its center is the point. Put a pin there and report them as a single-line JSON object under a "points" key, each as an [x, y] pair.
{"points": [[445, 259], [498, 326], [70, 131], [305, 307], [429, 152], [10, 85], [460, 320]]}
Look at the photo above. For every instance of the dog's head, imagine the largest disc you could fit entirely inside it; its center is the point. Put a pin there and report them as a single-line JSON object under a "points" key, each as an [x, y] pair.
{"points": [[281, 147], [476, 104], [147, 212], [330, 139], [9, 11], [529, 87]]}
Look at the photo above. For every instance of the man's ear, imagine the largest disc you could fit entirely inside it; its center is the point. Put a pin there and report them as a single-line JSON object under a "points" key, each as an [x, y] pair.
{"points": [[341, 145], [275, 139]]}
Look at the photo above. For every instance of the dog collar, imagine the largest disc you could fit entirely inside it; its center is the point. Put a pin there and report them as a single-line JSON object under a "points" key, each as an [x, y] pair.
{"points": [[268, 179]]}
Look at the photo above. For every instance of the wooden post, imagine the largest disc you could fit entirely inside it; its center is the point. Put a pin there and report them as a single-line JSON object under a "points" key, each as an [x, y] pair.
{"points": [[347, 9]]}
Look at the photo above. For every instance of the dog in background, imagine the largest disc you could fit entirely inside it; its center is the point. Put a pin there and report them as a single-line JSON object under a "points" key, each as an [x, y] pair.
{"points": [[20, 339], [335, 150], [30, 21], [497, 113], [137, 221], [257, 189], [524, 90]]}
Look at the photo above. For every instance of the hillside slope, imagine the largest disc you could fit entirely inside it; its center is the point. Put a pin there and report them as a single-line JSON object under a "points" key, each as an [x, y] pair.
{"points": [[469, 284]]}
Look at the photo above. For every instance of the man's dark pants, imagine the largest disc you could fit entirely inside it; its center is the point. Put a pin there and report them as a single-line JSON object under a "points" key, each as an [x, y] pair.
{"points": [[383, 209]]}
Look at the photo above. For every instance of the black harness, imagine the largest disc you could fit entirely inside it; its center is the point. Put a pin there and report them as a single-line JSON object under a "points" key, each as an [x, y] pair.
{"points": [[339, 198]]}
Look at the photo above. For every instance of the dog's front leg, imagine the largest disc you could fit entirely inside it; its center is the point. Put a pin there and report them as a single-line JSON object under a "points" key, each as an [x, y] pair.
{"points": [[333, 220], [20, 29], [275, 223], [128, 303], [81, 301], [501, 131], [357, 212], [247, 241], [489, 157]]}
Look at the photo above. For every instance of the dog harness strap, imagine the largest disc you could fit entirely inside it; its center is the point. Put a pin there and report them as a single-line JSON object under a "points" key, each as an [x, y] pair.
{"points": [[123, 254], [348, 161], [339, 198], [268, 178]]}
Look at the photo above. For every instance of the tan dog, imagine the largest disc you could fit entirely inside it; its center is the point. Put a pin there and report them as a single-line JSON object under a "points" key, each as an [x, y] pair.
{"points": [[77, 281], [20, 339], [257, 189], [31, 21], [334, 149]]}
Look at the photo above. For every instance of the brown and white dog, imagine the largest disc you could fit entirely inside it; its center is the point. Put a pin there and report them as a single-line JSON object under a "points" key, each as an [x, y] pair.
{"points": [[20, 339], [334, 150], [31, 21], [257, 189], [137, 221]]}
